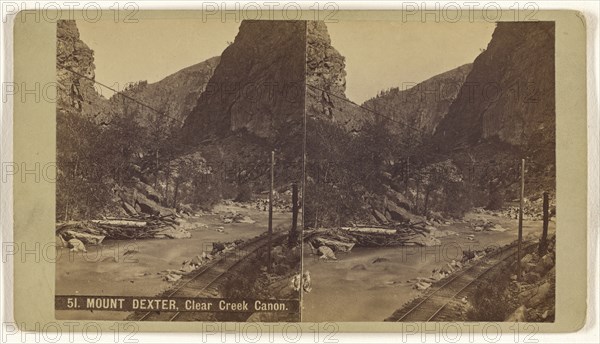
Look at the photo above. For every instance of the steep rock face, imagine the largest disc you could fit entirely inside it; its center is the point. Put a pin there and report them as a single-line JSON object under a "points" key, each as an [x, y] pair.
{"points": [[258, 86], [175, 96], [75, 74], [422, 106], [509, 94], [326, 82]]}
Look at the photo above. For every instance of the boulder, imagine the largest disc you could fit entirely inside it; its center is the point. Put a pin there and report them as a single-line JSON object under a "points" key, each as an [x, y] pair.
{"points": [[436, 216], [335, 245], [422, 285], [76, 245], [397, 198], [380, 260], [277, 250], [519, 315], [246, 219], [379, 216], [149, 206], [88, 239], [529, 267], [306, 282], [425, 240], [443, 233], [196, 260], [129, 209], [207, 256], [326, 253], [295, 282], [546, 263], [531, 277], [173, 233], [438, 275], [186, 209], [528, 258], [172, 277], [61, 242], [400, 214], [497, 228], [539, 295], [359, 267], [148, 191]]}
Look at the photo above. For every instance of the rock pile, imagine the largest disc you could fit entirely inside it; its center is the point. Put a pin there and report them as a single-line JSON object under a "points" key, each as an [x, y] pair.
{"points": [[445, 270], [224, 247], [141, 199], [481, 225], [532, 210], [234, 217], [438, 274], [535, 291]]}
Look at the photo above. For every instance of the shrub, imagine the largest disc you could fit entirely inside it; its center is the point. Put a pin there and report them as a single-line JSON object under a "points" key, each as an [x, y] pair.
{"points": [[244, 193], [496, 201]]}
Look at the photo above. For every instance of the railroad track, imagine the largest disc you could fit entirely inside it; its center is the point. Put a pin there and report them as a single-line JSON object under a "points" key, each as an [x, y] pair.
{"points": [[207, 277], [431, 305]]}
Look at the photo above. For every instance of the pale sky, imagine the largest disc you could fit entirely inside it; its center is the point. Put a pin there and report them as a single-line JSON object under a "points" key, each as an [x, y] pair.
{"points": [[379, 54], [384, 54], [152, 48]]}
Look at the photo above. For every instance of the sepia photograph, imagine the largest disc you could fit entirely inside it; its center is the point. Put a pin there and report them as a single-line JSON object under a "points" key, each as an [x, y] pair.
{"points": [[179, 174], [292, 170], [299, 172], [430, 177]]}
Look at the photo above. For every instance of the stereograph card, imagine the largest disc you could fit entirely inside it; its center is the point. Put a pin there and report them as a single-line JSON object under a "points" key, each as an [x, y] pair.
{"points": [[368, 169]]}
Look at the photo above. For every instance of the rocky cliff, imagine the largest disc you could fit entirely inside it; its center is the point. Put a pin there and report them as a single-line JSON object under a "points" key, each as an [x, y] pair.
{"points": [[174, 96], [509, 94], [75, 74], [505, 110], [258, 87], [326, 82], [422, 106]]}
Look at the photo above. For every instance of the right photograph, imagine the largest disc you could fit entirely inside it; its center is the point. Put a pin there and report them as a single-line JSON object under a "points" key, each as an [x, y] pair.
{"points": [[430, 184]]}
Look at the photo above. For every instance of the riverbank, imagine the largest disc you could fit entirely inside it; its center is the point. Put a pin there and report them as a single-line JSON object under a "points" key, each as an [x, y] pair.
{"points": [[134, 267], [369, 284]]}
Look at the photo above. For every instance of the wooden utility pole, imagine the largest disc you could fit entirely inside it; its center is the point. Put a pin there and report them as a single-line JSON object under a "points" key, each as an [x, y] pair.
{"points": [[156, 172], [544, 240], [294, 231], [521, 219], [269, 240]]}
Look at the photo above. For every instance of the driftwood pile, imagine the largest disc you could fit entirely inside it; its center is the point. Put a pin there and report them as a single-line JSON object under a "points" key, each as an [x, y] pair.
{"points": [[93, 232], [344, 238], [418, 234]]}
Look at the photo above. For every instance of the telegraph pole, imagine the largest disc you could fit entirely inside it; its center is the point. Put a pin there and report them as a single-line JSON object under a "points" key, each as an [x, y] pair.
{"points": [[543, 246], [521, 219], [293, 238], [270, 212]]}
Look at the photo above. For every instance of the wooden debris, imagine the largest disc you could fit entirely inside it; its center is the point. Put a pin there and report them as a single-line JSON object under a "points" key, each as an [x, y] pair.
{"points": [[142, 227]]}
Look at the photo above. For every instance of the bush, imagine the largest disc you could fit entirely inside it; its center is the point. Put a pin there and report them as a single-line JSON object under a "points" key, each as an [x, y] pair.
{"points": [[244, 194], [496, 201], [492, 300]]}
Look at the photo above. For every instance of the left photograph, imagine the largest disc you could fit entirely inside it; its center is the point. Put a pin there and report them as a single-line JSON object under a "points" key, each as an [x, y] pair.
{"points": [[180, 170]]}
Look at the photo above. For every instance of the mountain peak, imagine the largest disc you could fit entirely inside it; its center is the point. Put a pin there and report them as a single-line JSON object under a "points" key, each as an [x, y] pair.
{"points": [[259, 83]]}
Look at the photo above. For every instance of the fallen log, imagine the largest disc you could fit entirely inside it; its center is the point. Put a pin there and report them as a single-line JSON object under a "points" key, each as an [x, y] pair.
{"points": [[371, 230], [120, 223]]}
